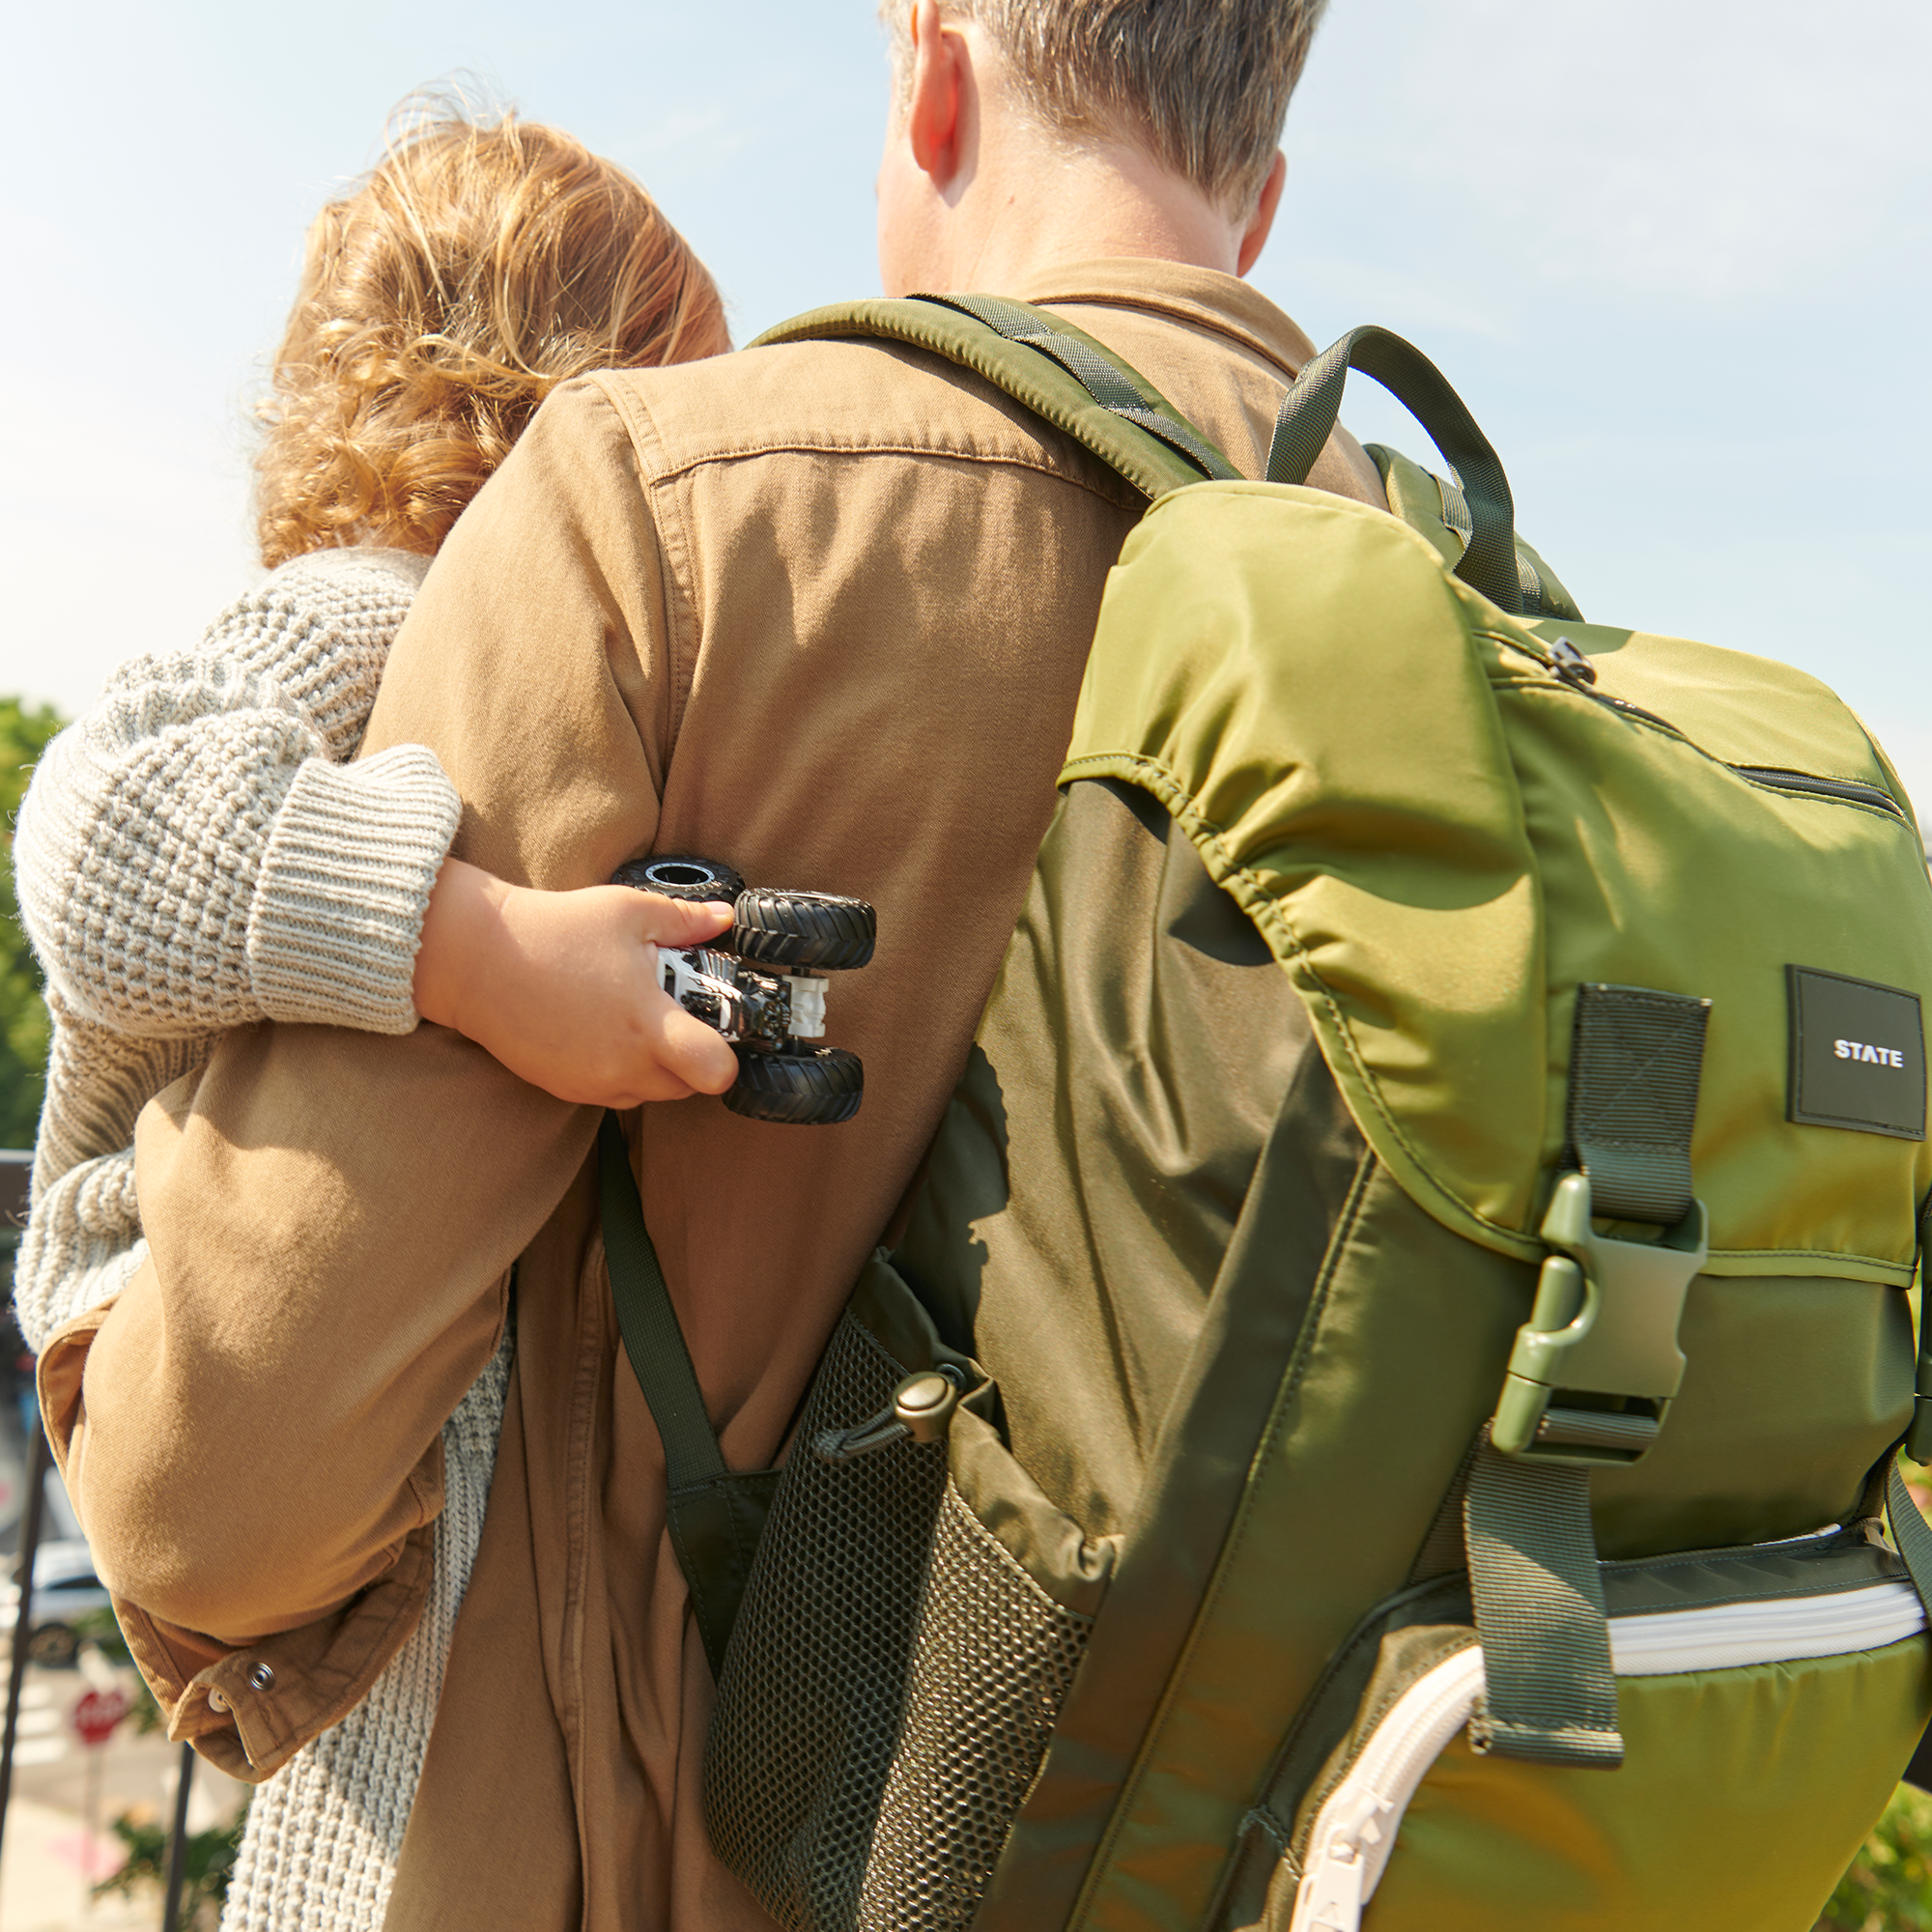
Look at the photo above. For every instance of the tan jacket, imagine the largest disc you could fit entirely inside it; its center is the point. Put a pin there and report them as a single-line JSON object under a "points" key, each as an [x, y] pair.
{"points": [[820, 611]]}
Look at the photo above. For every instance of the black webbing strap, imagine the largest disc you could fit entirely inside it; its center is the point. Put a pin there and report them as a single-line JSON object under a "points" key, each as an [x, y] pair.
{"points": [[1455, 517], [1635, 1058], [652, 1338], [1889, 1496], [1910, 1533], [716, 1513], [1311, 408], [1109, 380], [1551, 1692], [1455, 509]]}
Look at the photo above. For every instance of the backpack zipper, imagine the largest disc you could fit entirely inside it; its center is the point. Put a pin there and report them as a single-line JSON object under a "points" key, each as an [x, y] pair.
{"points": [[1574, 671], [1355, 1830], [1854, 791], [1569, 666]]}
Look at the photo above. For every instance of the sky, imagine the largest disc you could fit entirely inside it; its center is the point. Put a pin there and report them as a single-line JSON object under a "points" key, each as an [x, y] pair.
{"points": [[1673, 253]]}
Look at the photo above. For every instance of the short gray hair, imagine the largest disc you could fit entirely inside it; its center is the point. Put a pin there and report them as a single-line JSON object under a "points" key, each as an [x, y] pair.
{"points": [[1201, 84]]}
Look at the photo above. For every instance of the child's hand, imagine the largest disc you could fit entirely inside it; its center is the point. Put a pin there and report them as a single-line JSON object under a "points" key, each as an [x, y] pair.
{"points": [[564, 987]]}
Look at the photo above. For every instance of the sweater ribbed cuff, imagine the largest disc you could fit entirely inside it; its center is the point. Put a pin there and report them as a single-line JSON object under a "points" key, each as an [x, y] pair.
{"points": [[338, 912], [82, 1247]]}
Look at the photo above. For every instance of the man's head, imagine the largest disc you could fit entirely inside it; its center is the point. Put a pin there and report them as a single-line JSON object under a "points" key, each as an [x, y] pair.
{"points": [[1184, 99]]}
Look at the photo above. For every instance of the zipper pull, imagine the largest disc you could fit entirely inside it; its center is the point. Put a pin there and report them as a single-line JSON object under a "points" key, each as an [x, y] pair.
{"points": [[1570, 664], [1330, 1897], [1362, 1822], [1333, 1893]]}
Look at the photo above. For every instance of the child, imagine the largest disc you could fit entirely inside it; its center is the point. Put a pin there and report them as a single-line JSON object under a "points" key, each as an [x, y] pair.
{"points": [[197, 853]]}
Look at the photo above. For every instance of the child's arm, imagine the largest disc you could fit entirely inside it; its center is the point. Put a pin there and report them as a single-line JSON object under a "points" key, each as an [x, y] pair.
{"points": [[165, 907], [194, 853], [564, 987], [560, 986]]}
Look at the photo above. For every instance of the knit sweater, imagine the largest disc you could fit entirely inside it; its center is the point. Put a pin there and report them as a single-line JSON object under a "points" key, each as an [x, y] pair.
{"points": [[196, 854]]}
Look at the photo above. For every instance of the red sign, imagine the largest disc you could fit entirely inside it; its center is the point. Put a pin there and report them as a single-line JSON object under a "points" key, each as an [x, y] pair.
{"points": [[97, 1715]]}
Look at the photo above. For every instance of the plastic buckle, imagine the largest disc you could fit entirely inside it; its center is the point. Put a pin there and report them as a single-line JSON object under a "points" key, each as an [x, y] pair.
{"points": [[1604, 1329]]}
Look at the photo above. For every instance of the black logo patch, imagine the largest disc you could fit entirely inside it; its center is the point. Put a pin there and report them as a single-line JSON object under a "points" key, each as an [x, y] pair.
{"points": [[1858, 1055]]}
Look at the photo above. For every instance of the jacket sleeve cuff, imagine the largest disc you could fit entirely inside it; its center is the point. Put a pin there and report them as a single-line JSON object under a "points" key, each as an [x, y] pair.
{"points": [[248, 1708], [338, 911]]}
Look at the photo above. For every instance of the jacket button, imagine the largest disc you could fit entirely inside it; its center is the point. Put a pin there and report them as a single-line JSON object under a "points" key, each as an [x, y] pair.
{"points": [[216, 1701], [262, 1677]]}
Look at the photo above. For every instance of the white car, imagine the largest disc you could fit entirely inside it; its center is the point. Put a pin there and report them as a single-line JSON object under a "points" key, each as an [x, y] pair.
{"points": [[65, 1587]]}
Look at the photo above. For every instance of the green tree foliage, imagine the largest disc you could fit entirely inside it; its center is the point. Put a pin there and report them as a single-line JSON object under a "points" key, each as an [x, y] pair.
{"points": [[23, 1016], [208, 1866], [1889, 1888]]}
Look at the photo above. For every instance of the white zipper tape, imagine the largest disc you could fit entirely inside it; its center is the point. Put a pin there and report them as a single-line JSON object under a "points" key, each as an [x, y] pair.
{"points": [[1355, 1829], [1773, 1629]]}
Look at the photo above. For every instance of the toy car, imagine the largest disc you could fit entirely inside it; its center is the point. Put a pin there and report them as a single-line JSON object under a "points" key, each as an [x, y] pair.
{"points": [[761, 984]]}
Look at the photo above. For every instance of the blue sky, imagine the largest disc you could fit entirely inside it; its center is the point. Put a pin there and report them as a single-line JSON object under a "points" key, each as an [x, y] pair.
{"points": [[1672, 252]]}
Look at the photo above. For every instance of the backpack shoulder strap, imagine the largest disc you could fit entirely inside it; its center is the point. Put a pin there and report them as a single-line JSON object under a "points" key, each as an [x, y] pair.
{"points": [[1062, 375]]}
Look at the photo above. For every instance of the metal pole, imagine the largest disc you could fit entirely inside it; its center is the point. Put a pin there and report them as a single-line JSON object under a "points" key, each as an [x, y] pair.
{"points": [[94, 1755], [42, 1459], [178, 1844]]}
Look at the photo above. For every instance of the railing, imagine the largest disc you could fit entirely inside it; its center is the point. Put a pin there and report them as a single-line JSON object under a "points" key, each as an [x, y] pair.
{"points": [[15, 1169]]}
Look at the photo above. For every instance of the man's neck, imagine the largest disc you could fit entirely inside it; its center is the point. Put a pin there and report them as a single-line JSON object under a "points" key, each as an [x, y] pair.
{"points": [[1104, 199]]}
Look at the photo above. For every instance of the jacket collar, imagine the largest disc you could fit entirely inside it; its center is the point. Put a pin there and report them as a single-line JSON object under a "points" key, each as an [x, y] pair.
{"points": [[1202, 297]]}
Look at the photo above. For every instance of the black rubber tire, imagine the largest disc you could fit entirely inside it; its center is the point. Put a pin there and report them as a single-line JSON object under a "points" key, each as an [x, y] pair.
{"points": [[678, 875], [810, 932], [803, 1087]]}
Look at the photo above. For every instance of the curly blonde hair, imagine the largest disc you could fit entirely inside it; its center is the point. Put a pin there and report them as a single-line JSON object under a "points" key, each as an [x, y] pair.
{"points": [[475, 268]]}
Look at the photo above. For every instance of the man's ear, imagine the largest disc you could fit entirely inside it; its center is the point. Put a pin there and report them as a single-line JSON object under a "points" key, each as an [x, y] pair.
{"points": [[933, 112], [1254, 238]]}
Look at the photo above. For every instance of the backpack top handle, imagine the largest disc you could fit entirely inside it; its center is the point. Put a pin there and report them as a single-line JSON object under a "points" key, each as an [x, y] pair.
{"points": [[1309, 413]]}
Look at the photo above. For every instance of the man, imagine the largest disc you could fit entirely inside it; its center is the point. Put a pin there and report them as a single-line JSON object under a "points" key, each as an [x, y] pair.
{"points": [[820, 611]]}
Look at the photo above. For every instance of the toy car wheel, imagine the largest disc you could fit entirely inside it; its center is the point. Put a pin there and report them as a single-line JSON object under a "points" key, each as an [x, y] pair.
{"points": [[53, 1646], [679, 876], [810, 932], [803, 1087]]}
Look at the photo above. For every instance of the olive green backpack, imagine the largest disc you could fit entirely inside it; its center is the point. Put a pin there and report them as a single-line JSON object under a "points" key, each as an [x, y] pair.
{"points": [[1383, 1411]]}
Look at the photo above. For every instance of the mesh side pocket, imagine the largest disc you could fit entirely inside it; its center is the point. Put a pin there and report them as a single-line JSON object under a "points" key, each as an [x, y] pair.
{"points": [[813, 1692], [891, 1685], [992, 1662]]}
